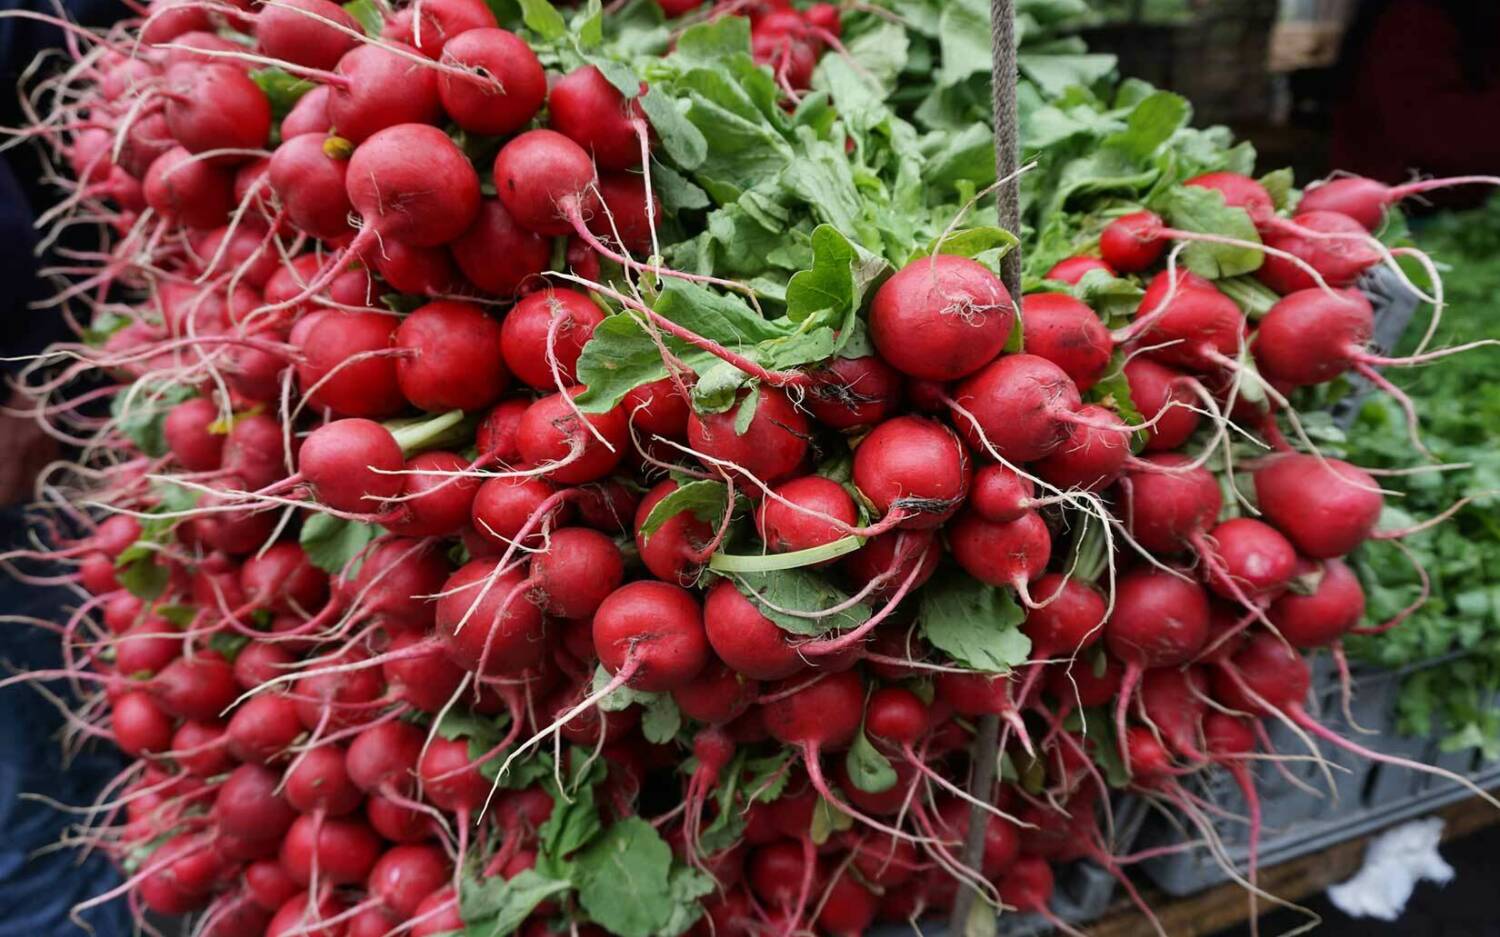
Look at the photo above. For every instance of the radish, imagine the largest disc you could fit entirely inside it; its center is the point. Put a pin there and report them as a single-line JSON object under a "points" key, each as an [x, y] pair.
{"points": [[216, 107], [182, 188], [749, 642], [374, 87], [1159, 620], [455, 357], [649, 635], [430, 26], [1008, 554], [390, 182], [853, 392], [1365, 200], [790, 519], [849, 908], [249, 805], [308, 115], [1165, 504], [140, 726], [1328, 610], [545, 180], [550, 323], [590, 111], [893, 558], [318, 784], [1240, 191], [1069, 619], [1325, 507], [1340, 255], [283, 30], [1067, 333], [770, 449], [1132, 243], [498, 255], [657, 409], [912, 470], [573, 447], [1071, 270], [1093, 457], [1248, 558], [579, 569], [1000, 495], [263, 728], [436, 497], [188, 432], [506, 509], [488, 623], [348, 365], [1019, 408], [508, 98], [941, 318], [351, 465], [1194, 327], [716, 696], [629, 213], [342, 850], [1160, 395]]}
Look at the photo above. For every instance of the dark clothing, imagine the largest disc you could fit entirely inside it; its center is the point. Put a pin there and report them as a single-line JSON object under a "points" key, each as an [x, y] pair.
{"points": [[37, 889], [1422, 93]]}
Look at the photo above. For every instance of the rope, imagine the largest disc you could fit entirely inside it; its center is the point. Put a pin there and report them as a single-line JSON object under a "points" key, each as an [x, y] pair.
{"points": [[1003, 77]]}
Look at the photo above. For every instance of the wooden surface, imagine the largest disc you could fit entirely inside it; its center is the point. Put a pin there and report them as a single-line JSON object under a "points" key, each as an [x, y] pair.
{"points": [[1226, 905]]}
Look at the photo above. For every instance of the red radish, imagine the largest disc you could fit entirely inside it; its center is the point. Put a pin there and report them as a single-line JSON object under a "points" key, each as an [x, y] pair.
{"points": [[628, 212], [579, 569], [421, 271], [404, 875], [436, 497], [1132, 243], [427, 680], [497, 254], [191, 191], [1365, 200], [1310, 337], [249, 805], [1165, 505], [510, 94], [1339, 258], [505, 509], [657, 409], [849, 908], [1159, 394], [891, 557], [1009, 554], [318, 783], [941, 318], [348, 367], [343, 850], [455, 361], [1172, 700], [391, 185], [852, 392], [339, 698], [1249, 558], [214, 107], [1000, 495], [1159, 620], [749, 642], [544, 179], [496, 434], [717, 695], [201, 687], [432, 25], [489, 625], [268, 883], [1069, 619], [352, 465], [1325, 507], [771, 448], [139, 725], [1322, 613], [284, 31], [1071, 270], [1094, 456], [1020, 404], [650, 636], [788, 520], [590, 111], [383, 759], [308, 115], [1196, 327], [1240, 191], [263, 728], [549, 322], [913, 470], [551, 434], [381, 89], [1067, 333]]}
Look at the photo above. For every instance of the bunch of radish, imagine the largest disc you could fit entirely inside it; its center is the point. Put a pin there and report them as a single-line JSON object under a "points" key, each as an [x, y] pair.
{"points": [[409, 627]]}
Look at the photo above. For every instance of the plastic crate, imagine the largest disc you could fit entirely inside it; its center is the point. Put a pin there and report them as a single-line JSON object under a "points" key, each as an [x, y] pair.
{"points": [[1368, 795]]}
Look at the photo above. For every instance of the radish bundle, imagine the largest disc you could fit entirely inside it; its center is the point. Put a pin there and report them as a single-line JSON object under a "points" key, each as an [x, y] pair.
{"points": [[582, 472]]}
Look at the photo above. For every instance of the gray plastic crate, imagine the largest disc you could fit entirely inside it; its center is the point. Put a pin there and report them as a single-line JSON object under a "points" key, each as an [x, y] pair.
{"points": [[1370, 795]]}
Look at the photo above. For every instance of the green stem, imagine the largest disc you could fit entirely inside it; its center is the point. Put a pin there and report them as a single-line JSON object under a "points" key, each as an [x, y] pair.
{"points": [[761, 563]]}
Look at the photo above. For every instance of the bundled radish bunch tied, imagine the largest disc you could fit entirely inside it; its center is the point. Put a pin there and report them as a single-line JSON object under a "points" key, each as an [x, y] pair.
{"points": [[575, 471]]}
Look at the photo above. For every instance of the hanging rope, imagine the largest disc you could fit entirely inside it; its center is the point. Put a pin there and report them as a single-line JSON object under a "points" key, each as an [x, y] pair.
{"points": [[983, 756]]}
